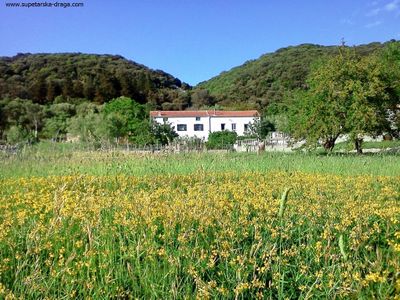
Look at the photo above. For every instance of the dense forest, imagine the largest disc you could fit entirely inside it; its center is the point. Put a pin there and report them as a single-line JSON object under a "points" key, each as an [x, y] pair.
{"points": [[266, 80], [71, 77], [48, 78]]}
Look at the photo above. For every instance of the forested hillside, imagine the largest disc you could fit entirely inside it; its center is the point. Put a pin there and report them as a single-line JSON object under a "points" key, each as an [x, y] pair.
{"points": [[48, 78], [45, 78], [52, 95], [263, 81]]}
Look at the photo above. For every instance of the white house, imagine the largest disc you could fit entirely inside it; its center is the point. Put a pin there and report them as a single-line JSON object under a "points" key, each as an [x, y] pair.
{"points": [[199, 123]]}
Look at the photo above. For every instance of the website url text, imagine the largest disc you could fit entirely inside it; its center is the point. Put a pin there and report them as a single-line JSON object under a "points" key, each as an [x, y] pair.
{"points": [[43, 4]]}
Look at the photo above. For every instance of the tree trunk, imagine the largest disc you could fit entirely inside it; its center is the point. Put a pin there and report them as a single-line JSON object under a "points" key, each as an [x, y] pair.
{"points": [[36, 130], [329, 144], [357, 144]]}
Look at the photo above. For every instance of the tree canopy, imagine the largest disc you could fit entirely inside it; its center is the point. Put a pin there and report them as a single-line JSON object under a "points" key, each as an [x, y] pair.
{"points": [[260, 83], [42, 78], [347, 94]]}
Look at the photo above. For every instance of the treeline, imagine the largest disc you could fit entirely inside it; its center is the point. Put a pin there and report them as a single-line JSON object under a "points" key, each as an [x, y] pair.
{"points": [[265, 81], [74, 77], [49, 78], [119, 120]]}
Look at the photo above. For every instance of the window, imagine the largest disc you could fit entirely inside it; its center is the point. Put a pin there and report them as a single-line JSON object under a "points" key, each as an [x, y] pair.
{"points": [[222, 126], [246, 127], [198, 127], [165, 119], [197, 118], [233, 126], [181, 127]]}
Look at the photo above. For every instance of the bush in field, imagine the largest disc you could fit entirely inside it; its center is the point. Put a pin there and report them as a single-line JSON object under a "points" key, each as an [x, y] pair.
{"points": [[16, 134], [221, 139]]}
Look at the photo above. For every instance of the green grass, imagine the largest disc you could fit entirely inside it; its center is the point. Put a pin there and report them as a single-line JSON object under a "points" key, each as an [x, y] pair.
{"points": [[62, 159], [67, 159], [198, 224]]}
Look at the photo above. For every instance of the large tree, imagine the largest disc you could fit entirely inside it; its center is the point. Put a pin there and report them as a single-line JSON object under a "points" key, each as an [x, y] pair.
{"points": [[88, 123], [128, 119], [23, 114], [346, 94], [163, 133], [56, 123], [390, 61]]}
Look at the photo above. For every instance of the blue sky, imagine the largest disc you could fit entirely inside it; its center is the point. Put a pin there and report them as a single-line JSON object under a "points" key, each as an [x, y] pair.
{"points": [[194, 40]]}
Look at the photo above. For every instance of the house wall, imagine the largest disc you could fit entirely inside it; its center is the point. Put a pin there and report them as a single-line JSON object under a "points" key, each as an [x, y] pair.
{"points": [[228, 121], [190, 122], [210, 124]]}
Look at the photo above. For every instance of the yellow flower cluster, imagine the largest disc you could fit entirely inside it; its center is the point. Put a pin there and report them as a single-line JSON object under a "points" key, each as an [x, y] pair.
{"points": [[210, 235]]}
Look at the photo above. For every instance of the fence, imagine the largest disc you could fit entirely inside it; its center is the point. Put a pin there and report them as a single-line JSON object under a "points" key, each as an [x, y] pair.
{"points": [[274, 141], [65, 147]]}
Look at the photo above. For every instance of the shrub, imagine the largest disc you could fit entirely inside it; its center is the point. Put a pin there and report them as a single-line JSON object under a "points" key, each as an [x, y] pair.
{"points": [[221, 139], [17, 134]]}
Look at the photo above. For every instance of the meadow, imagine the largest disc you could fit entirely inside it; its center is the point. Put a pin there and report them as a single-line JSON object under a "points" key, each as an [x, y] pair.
{"points": [[117, 225]]}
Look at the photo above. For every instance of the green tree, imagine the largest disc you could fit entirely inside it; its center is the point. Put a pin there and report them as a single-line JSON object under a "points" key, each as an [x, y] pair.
{"points": [[163, 133], [38, 89], [347, 95], [17, 134], [24, 114], [201, 98], [88, 123], [367, 113], [142, 134], [312, 119], [261, 128], [221, 139], [35, 117], [128, 119], [390, 61], [3, 118], [56, 123]]}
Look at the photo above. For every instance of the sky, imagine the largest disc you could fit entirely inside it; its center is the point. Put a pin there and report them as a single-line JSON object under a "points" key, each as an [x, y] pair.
{"points": [[193, 40]]}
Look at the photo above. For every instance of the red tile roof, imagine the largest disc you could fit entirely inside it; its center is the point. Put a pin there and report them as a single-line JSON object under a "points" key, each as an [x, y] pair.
{"points": [[204, 113]]}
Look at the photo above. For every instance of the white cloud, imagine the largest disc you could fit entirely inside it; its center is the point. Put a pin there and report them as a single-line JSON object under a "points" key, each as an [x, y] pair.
{"points": [[373, 12], [374, 3], [373, 24], [347, 21], [392, 6]]}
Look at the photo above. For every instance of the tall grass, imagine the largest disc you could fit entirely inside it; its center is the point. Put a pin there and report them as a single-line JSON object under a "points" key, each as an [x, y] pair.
{"points": [[47, 160]]}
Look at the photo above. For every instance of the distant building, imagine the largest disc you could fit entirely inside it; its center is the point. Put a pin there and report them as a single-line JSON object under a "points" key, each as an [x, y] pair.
{"points": [[199, 123]]}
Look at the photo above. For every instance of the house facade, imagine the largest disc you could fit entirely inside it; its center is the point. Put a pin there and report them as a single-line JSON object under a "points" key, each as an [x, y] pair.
{"points": [[199, 123]]}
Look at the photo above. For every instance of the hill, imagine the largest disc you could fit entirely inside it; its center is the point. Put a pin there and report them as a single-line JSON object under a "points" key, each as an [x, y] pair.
{"points": [[258, 83], [43, 78]]}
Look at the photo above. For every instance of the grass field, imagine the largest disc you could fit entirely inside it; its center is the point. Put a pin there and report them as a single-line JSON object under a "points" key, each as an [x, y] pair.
{"points": [[91, 225], [67, 159]]}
